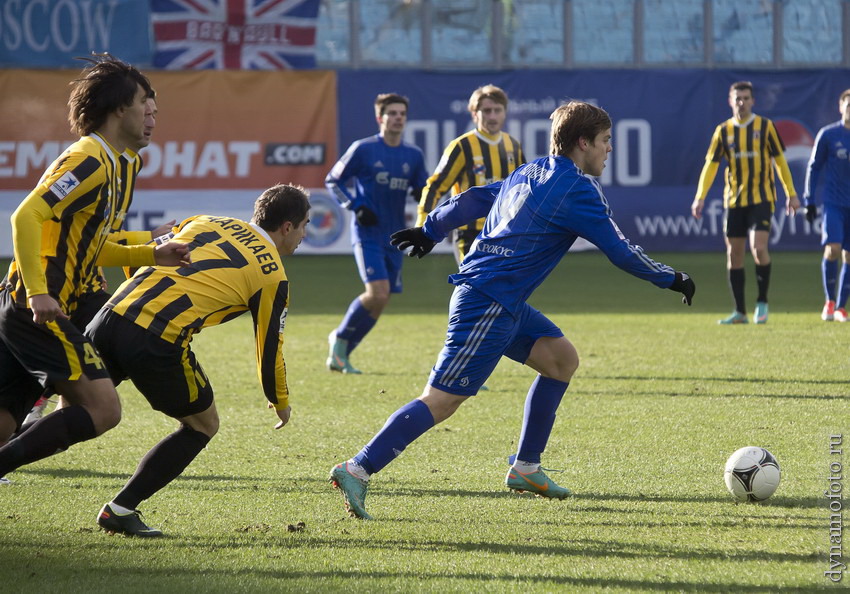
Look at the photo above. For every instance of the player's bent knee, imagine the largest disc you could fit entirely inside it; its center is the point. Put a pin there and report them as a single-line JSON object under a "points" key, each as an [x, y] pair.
{"points": [[555, 358], [206, 422]]}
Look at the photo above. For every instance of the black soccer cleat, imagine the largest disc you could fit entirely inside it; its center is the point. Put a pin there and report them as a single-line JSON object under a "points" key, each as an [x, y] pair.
{"points": [[130, 524]]}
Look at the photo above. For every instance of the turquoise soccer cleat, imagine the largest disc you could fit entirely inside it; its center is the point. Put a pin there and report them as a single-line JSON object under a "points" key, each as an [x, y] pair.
{"points": [[537, 483], [736, 318], [353, 490], [338, 355], [761, 313]]}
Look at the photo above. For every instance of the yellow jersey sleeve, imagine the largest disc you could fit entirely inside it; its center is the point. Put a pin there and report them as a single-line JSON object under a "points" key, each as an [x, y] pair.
{"points": [[268, 308], [27, 221], [113, 254], [451, 165]]}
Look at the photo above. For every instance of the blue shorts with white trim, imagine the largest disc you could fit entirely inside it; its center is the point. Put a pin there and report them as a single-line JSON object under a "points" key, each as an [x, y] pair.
{"points": [[836, 225], [480, 332], [379, 262]]}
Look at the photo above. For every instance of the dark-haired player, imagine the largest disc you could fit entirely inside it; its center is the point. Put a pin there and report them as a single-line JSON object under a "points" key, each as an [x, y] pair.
{"points": [[752, 147], [61, 234], [384, 170], [151, 319]]}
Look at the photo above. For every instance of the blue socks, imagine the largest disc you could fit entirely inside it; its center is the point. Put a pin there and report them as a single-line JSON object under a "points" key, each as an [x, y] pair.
{"points": [[541, 404], [401, 429], [843, 286], [829, 271], [356, 324]]}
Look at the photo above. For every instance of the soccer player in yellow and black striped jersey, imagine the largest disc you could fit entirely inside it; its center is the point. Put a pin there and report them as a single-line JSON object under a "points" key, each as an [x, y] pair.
{"points": [[60, 234], [477, 158], [752, 147], [153, 316], [94, 294]]}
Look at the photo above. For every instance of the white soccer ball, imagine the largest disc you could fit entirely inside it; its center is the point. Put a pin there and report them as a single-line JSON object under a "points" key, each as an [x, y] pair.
{"points": [[752, 474]]}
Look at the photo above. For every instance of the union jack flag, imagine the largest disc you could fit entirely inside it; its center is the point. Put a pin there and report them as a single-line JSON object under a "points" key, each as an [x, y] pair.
{"points": [[234, 34]]}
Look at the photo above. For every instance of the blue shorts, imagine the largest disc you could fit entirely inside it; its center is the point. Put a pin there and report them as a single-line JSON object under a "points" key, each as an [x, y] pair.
{"points": [[835, 227], [379, 262], [480, 332]]}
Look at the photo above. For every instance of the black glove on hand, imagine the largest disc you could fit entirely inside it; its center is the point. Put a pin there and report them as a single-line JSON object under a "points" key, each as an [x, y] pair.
{"points": [[365, 217], [414, 238], [683, 284], [811, 213]]}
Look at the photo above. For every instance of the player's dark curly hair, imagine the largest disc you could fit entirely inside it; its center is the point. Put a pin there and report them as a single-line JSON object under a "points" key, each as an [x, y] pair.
{"points": [[281, 203], [105, 85], [575, 120]]}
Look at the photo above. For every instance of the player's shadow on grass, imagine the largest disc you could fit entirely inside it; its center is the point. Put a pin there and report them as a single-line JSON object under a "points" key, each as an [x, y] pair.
{"points": [[354, 579], [747, 380], [66, 473]]}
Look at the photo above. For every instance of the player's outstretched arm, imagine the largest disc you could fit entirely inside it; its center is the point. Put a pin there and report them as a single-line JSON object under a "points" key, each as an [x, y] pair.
{"points": [[684, 284], [414, 238], [172, 253]]}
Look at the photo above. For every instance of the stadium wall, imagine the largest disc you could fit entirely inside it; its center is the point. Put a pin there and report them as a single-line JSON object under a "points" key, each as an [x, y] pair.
{"points": [[224, 136]]}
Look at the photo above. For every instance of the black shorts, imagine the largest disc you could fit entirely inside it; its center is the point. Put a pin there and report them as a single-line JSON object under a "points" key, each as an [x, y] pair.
{"points": [[51, 352], [166, 374], [739, 221], [87, 307]]}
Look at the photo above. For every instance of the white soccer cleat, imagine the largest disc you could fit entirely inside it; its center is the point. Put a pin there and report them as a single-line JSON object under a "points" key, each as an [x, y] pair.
{"points": [[37, 411]]}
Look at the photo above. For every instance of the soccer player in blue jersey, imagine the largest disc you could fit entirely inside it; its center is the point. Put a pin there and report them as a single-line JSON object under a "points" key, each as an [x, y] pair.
{"points": [[533, 217], [384, 170], [831, 154]]}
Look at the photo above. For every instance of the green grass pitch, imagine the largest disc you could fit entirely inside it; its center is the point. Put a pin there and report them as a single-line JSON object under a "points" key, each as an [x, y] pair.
{"points": [[662, 397]]}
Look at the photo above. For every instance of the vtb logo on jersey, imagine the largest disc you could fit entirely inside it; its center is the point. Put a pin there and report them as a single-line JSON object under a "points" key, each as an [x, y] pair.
{"points": [[64, 185], [395, 183]]}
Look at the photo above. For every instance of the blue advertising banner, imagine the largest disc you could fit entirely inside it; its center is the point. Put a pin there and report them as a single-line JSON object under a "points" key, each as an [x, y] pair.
{"points": [[663, 121], [51, 33]]}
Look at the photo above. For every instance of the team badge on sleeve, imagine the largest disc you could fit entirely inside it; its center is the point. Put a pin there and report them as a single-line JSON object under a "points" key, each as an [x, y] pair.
{"points": [[64, 185]]}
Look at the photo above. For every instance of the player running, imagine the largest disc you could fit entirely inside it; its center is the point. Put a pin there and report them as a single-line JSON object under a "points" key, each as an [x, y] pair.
{"points": [[533, 217]]}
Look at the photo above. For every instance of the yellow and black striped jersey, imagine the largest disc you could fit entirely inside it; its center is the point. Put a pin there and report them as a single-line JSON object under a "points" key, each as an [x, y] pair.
{"points": [[751, 149], [129, 165], [472, 159], [71, 212], [235, 268]]}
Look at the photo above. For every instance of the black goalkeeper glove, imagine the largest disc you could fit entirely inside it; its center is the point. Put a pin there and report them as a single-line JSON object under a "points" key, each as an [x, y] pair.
{"points": [[413, 238], [682, 283], [811, 213], [365, 217]]}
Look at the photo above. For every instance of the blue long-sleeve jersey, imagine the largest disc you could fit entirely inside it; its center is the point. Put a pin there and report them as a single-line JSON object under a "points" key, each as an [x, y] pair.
{"points": [[831, 154], [533, 217], [382, 176]]}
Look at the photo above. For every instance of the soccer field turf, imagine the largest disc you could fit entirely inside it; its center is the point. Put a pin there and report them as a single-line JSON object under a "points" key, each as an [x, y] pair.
{"points": [[662, 397]]}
